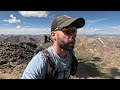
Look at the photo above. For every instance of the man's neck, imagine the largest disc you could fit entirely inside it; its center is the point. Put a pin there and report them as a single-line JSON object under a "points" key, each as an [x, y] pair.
{"points": [[60, 52]]}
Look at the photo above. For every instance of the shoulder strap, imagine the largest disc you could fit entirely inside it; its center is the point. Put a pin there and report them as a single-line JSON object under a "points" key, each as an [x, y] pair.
{"points": [[52, 69], [74, 65]]}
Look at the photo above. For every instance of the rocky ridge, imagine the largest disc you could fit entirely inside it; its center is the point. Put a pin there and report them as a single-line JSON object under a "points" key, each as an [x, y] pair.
{"points": [[98, 56]]}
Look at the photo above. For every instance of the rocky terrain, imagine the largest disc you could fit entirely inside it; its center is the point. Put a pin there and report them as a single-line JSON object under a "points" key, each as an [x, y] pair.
{"points": [[15, 53], [98, 56]]}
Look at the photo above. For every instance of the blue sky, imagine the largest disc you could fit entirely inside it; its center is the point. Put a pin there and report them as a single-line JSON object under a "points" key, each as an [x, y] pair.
{"points": [[39, 22]]}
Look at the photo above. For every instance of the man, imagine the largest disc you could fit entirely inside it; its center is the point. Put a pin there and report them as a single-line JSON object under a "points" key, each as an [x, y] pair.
{"points": [[63, 34]]}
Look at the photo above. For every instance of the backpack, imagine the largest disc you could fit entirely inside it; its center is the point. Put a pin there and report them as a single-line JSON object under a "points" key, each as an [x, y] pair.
{"points": [[52, 69], [47, 38]]}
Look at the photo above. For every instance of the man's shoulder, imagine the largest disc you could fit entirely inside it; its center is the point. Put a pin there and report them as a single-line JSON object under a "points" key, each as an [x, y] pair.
{"points": [[39, 57], [46, 51]]}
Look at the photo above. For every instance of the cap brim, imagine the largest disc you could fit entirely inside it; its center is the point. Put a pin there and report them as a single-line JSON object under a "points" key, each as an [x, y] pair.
{"points": [[78, 22]]}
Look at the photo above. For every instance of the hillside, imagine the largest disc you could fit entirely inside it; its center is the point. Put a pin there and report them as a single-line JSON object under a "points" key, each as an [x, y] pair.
{"points": [[99, 56]]}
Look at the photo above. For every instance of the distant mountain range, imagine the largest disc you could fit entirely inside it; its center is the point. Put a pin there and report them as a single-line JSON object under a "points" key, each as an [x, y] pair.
{"points": [[18, 50]]}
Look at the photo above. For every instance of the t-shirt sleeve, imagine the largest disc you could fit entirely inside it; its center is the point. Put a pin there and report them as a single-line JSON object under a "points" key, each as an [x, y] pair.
{"points": [[36, 68]]}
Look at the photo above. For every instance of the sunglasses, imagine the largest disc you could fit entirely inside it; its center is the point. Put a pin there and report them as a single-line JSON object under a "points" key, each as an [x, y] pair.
{"points": [[69, 30]]}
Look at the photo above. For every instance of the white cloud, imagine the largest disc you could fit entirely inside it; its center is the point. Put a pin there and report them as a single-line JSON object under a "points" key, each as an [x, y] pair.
{"points": [[51, 16], [97, 20], [18, 27], [11, 16], [12, 19], [25, 31], [90, 22], [91, 31], [27, 26], [115, 27], [38, 31], [22, 28], [34, 13], [95, 29]]}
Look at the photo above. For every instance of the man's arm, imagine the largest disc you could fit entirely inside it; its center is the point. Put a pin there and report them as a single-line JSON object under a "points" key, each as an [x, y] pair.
{"points": [[36, 69]]}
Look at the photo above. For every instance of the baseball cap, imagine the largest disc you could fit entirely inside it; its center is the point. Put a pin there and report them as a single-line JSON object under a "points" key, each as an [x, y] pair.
{"points": [[64, 21]]}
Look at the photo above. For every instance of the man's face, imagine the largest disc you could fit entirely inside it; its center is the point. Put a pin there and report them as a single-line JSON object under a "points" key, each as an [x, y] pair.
{"points": [[66, 38]]}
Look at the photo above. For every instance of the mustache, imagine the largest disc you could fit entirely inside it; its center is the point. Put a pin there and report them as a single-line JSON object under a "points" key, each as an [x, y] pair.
{"points": [[72, 42]]}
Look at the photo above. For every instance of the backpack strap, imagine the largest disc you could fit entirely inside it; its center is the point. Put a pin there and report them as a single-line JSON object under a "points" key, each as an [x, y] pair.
{"points": [[74, 65], [52, 69]]}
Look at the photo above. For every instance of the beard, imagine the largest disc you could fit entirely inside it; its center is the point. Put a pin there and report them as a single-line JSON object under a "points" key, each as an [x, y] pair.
{"points": [[66, 46]]}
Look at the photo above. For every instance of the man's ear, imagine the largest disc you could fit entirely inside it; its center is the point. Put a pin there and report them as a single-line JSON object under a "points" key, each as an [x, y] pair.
{"points": [[53, 36]]}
